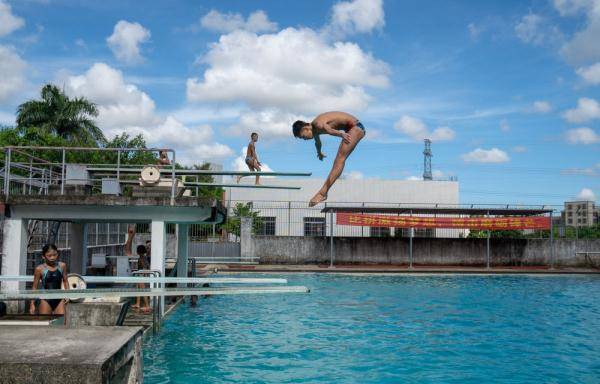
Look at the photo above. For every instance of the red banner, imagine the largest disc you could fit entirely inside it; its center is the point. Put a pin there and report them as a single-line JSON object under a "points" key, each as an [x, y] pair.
{"points": [[493, 223]]}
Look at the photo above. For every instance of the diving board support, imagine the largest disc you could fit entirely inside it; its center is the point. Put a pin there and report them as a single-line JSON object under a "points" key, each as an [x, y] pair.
{"points": [[14, 254], [78, 240], [182, 252], [158, 249], [331, 240]]}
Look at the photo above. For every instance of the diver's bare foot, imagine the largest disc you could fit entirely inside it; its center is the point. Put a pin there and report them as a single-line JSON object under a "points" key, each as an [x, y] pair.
{"points": [[238, 178], [318, 198]]}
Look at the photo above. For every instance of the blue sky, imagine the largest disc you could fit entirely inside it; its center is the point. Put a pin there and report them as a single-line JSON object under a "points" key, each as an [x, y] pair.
{"points": [[508, 91]]}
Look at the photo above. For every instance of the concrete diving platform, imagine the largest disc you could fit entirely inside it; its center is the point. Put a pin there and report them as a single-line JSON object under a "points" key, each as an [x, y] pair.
{"points": [[31, 354]]}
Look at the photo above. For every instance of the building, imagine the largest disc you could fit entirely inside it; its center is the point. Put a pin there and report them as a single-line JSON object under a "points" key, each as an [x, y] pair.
{"points": [[581, 213], [286, 212]]}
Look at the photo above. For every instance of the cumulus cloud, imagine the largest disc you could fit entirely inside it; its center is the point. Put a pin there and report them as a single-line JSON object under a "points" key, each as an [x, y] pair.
{"points": [[122, 107], [583, 46], [534, 29], [270, 123], [417, 130], [541, 107], [591, 74], [257, 21], [586, 110], [582, 135], [265, 71], [12, 68], [125, 41], [8, 21], [586, 194], [357, 16], [479, 155]]}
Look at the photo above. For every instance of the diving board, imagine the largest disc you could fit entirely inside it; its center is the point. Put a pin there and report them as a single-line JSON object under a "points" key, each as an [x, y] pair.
{"points": [[168, 170], [142, 292], [193, 184], [163, 280]]}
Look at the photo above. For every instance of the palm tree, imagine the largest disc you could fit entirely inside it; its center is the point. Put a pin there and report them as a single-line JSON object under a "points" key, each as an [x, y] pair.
{"points": [[58, 114]]}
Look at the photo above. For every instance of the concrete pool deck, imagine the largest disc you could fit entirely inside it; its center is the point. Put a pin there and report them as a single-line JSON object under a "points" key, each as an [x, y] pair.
{"points": [[349, 268]]}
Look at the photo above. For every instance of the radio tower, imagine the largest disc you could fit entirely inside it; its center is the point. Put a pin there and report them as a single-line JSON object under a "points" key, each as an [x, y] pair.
{"points": [[427, 161]]}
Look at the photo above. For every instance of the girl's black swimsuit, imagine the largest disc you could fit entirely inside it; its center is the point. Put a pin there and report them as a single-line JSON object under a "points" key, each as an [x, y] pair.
{"points": [[52, 280]]}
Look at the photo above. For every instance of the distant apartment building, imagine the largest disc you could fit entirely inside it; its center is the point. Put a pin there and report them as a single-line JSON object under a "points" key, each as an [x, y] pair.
{"points": [[580, 213]]}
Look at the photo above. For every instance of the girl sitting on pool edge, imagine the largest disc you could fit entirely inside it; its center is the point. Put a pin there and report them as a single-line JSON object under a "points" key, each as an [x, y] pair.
{"points": [[52, 274]]}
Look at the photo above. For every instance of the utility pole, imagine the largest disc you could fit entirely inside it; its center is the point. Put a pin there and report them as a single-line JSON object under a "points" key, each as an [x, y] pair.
{"points": [[427, 161]]}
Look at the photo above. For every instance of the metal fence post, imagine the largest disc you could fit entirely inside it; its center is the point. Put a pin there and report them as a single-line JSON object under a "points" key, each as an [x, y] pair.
{"points": [[488, 246], [331, 239], [118, 164], [410, 245], [173, 180], [7, 173], [62, 183], [289, 231], [551, 241]]}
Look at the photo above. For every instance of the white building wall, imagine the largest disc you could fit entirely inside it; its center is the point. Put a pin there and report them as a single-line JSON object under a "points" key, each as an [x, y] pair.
{"points": [[370, 192]]}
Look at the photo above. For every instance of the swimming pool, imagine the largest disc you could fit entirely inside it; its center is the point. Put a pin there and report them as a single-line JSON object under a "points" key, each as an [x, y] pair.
{"points": [[388, 329]]}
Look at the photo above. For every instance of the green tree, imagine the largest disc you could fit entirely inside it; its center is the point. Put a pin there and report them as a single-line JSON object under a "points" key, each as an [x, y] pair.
{"points": [[68, 118], [242, 210]]}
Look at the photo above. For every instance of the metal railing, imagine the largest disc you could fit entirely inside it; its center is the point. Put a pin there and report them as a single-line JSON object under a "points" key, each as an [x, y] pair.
{"points": [[24, 172]]}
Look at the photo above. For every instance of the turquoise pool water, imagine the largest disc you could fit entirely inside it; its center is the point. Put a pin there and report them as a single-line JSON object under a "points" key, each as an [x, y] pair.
{"points": [[388, 329]]}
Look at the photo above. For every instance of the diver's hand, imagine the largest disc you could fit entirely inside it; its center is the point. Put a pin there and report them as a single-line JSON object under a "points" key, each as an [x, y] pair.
{"points": [[32, 308], [321, 156], [346, 137]]}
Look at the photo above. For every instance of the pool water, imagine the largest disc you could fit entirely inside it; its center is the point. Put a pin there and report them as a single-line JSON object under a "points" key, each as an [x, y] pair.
{"points": [[388, 329]]}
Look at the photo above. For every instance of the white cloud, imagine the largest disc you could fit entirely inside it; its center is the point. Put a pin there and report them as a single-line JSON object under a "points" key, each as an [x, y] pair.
{"points": [[519, 149], [123, 107], [594, 171], [504, 126], [270, 123], [590, 74], [120, 104], [8, 21], [354, 175], [267, 71], [12, 68], [541, 106], [414, 178], [257, 21], [586, 194], [582, 135], [531, 29], [417, 130], [356, 16], [474, 31], [479, 155], [572, 7], [126, 40], [583, 46], [587, 109]]}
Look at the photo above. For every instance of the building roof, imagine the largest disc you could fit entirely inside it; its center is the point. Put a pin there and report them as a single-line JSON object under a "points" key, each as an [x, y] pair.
{"points": [[496, 211]]}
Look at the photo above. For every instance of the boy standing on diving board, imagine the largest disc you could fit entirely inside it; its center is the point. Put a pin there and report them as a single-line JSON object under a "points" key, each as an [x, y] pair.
{"points": [[339, 124], [252, 158]]}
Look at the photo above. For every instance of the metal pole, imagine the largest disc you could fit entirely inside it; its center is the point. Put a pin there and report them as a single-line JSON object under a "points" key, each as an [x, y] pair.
{"points": [[410, 245], [331, 239], [30, 173], [62, 183], [551, 241], [488, 246], [289, 218], [7, 173], [173, 180], [118, 165]]}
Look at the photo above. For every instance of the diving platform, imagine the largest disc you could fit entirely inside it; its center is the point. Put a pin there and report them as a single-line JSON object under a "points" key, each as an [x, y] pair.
{"points": [[63, 184]]}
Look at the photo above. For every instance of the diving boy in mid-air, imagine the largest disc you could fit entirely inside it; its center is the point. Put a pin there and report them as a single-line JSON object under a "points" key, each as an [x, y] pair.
{"points": [[252, 158], [339, 124]]}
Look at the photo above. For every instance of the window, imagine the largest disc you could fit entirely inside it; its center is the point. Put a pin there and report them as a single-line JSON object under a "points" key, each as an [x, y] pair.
{"points": [[424, 232], [570, 221], [314, 226], [570, 214], [267, 226], [380, 232]]}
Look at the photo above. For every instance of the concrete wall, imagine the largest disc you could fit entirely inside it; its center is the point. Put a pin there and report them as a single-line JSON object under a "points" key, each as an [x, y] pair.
{"points": [[426, 251]]}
